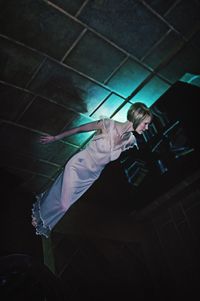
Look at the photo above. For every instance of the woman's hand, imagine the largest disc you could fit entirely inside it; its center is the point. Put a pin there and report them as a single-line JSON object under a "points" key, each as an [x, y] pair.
{"points": [[47, 139]]}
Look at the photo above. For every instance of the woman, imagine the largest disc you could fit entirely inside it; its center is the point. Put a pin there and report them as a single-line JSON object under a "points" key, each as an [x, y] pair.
{"points": [[110, 139]]}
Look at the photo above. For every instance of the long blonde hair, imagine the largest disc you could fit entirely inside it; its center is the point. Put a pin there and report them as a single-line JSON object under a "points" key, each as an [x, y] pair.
{"points": [[137, 113]]}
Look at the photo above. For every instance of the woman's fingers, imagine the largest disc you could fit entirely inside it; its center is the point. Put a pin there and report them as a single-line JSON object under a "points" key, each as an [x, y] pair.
{"points": [[46, 139]]}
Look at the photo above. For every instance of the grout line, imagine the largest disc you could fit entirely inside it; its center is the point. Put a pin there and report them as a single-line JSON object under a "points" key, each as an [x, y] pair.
{"points": [[74, 44], [26, 108], [34, 131], [36, 72], [81, 8], [156, 44], [172, 7], [116, 69], [94, 31], [162, 18]]}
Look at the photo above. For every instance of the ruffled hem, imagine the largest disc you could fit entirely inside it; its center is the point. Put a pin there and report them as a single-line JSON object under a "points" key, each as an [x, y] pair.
{"points": [[41, 228]]}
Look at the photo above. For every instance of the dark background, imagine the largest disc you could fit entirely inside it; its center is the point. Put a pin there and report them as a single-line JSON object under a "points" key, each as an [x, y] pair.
{"points": [[135, 233]]}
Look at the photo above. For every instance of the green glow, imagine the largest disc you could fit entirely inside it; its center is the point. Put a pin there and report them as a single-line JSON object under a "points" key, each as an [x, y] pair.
{"points": [[151, 91], [80, 138], [122, 114], [93, 95], [128, 78], [108, 107], [193, 79]]}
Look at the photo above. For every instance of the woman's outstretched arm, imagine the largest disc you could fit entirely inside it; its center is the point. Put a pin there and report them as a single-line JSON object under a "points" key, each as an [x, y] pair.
{"points": [[87, 127]]}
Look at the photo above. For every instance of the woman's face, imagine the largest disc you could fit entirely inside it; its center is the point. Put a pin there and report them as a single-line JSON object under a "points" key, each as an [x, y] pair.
{"points": [[144, 125]]}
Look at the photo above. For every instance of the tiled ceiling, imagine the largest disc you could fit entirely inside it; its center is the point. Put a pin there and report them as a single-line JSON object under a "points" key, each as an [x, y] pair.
{"points": [[64, 63]]}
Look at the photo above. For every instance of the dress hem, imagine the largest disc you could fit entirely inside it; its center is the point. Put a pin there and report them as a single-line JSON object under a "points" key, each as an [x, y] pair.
{"points": [[41, 228]]}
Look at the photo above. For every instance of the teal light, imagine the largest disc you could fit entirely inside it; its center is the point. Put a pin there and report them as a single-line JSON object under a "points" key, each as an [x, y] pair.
{"points": [[122, 114], [151, 91], [80, 138], [128, 78], [193, 79], [108, 107]]}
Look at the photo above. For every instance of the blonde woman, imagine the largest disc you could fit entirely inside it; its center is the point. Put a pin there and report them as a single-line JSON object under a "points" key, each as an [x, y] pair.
{"points": [[84, 168]]}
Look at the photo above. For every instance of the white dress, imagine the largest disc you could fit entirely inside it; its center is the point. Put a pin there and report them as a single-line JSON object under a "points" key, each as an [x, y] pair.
{"points": [[80, 173]]}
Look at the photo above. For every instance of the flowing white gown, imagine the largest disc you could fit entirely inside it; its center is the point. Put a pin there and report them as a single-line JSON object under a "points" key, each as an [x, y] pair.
{"points": [[80, 173]]}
